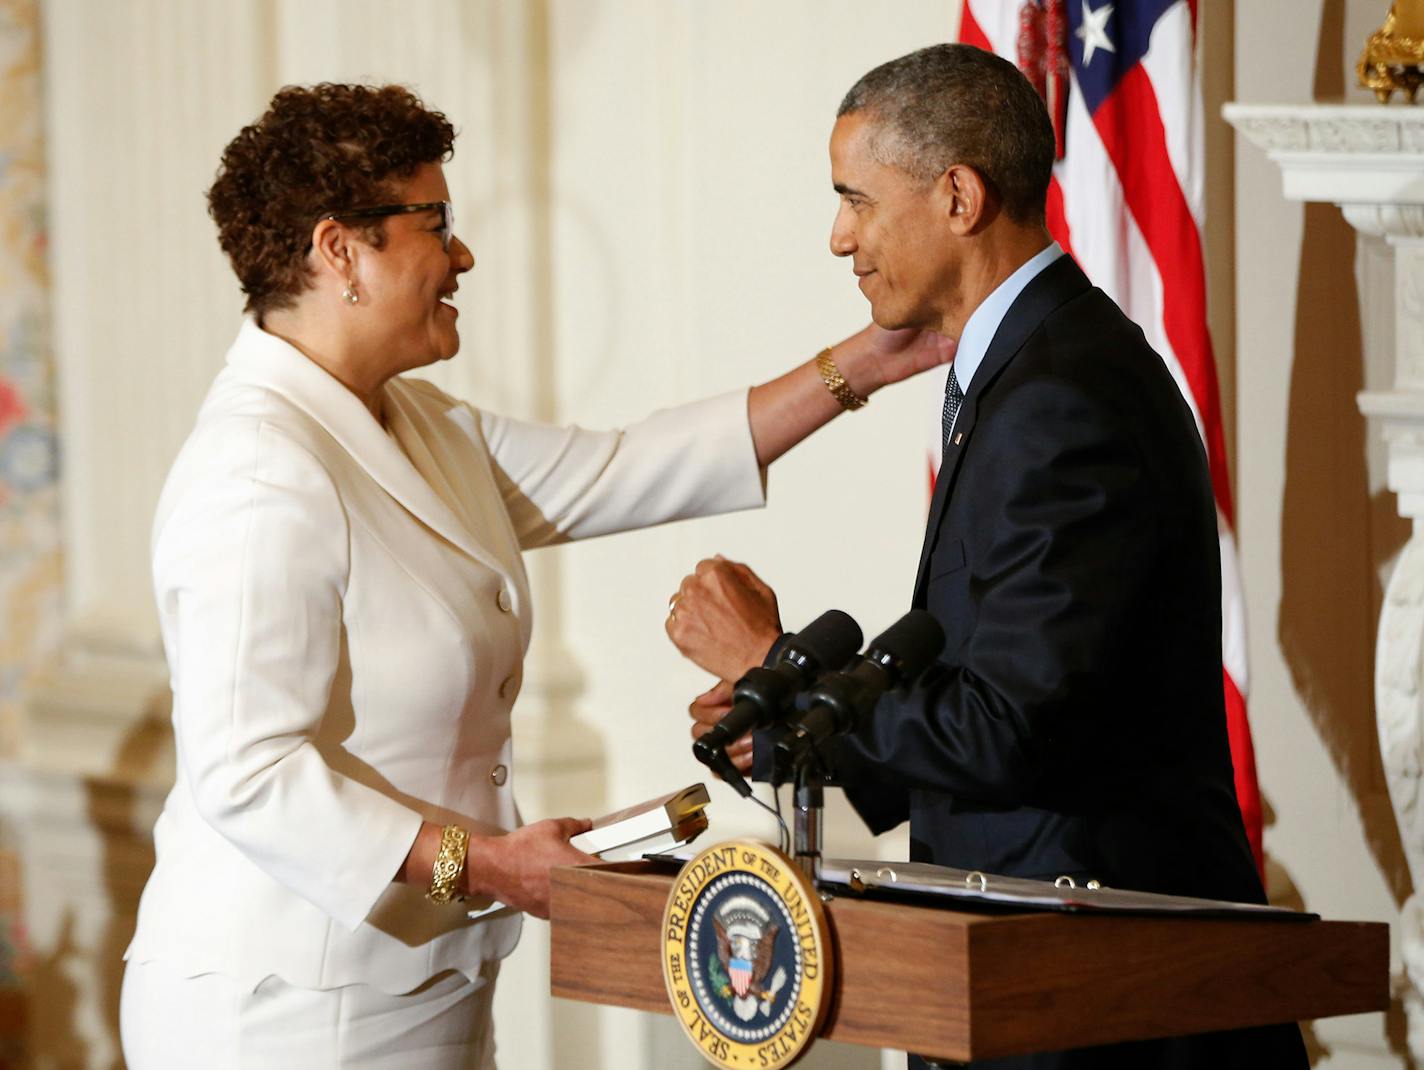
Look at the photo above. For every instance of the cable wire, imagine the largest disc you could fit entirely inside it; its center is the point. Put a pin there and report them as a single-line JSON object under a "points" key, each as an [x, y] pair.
{"points": [[784, 836]]}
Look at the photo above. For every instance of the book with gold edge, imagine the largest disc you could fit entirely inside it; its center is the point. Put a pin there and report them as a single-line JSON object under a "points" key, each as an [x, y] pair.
{"points": [[676, 818]]}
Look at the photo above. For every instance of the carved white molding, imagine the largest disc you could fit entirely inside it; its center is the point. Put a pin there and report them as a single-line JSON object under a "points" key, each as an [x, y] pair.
{"points": [[1400, 416], [1399, 666], [1341, 153], [1409, 312], [1369, 160], [1386, 220], [1399, 705]]}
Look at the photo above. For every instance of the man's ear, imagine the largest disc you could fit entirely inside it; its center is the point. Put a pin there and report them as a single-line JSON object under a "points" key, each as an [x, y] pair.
{"points": [[333, 250], [969, 203]]}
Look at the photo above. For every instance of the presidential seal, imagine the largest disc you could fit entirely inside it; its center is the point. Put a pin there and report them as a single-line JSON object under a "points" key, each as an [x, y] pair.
{"points": [[745, 956]]}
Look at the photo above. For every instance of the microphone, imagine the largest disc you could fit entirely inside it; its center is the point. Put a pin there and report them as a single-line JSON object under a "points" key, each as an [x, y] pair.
{"points": [[764, 695], [897, 656]]}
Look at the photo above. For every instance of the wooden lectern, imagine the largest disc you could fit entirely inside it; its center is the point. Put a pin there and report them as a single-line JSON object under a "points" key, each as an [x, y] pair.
{"points": [[957, 985]]}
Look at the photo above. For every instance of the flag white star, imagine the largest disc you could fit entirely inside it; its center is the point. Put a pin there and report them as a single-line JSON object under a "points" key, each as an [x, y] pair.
{"points": [[1094, 31]]}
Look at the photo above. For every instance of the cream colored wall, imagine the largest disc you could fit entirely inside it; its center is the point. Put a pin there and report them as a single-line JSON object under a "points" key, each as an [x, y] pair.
{"points": [[691, 254], [692, 207], [645, 183]]}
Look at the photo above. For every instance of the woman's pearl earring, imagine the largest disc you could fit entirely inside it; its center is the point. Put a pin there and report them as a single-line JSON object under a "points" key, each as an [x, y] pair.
{"points": [[349, 295]]}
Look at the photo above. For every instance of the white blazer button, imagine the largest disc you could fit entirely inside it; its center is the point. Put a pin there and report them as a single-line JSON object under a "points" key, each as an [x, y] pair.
{"points": [[498, 775], [503, 600], [506, 687]]}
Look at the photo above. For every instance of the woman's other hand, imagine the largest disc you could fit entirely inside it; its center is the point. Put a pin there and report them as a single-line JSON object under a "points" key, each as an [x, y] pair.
{"points": [[514, 869]]}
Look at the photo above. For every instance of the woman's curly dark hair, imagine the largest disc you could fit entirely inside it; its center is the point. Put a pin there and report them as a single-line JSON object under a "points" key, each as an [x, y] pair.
{"points": [[317, 149]]}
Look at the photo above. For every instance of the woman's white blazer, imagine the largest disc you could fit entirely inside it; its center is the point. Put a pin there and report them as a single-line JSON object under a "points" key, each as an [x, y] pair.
{"points": [[345, 618]]}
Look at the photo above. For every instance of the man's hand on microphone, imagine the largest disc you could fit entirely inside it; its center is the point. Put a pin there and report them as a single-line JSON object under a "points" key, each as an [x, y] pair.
{"points": [[710, 707], [723, 618]]}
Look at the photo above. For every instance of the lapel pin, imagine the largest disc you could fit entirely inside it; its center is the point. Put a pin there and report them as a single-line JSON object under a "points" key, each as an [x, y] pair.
{"points": [[958, 438]]}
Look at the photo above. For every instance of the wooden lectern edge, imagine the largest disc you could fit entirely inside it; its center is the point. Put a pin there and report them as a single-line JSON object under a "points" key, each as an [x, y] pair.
{"points": [[996, 984], [596, 912]]}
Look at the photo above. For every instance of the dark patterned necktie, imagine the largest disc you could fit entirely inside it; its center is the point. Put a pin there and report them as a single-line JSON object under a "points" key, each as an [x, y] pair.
{"points": [[952, 397]]}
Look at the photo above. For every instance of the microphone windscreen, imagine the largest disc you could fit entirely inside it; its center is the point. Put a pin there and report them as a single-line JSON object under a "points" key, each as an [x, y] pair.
{"points": [[828, 642], [909, 646]]}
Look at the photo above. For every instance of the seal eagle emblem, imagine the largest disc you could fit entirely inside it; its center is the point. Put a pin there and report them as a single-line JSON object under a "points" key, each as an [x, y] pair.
{"points": [[745, 958], [746, 939]]}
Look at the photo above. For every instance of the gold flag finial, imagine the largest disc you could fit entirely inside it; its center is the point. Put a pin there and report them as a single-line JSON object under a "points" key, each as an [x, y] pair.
{"points": [[1394, 55]]}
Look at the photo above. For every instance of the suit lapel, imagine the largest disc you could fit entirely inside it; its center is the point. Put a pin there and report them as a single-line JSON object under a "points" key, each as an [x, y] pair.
{"points": [[438, 438], [1051, 288], [268, 361]]}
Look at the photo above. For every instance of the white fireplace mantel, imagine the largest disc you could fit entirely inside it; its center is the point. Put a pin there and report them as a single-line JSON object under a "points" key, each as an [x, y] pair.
{"points": [[1344, 154], [1369, 160]]}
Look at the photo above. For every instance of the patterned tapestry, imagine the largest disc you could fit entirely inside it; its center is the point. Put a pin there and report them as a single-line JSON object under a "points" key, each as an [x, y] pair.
{"points": [[30, 587]]}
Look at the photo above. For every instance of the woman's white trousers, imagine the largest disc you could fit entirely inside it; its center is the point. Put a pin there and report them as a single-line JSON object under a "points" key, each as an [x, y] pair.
{"points": [[170, 1022]]}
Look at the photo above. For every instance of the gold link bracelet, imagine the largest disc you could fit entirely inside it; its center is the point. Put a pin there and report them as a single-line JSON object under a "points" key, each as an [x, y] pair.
{"points": [[835, 382], [449, 864]]}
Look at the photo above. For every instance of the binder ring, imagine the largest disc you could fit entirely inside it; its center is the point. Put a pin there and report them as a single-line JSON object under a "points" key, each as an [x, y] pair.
{"points": [[1064, 882], [978, 877], [884, 870], [1093, 886]]}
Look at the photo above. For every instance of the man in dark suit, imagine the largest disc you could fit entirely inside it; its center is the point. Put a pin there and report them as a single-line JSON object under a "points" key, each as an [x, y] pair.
{"points": [[1075, 723]]}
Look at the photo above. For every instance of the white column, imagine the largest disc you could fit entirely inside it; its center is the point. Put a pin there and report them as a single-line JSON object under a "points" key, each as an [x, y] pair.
{"points": [[1399, 655], [139, 330]]}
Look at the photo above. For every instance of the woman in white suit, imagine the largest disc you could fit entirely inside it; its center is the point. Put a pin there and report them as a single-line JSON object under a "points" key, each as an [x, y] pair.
{"points": [[337, 565]]}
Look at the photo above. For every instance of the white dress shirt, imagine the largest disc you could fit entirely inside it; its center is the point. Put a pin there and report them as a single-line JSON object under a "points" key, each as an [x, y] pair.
{"points": [[984, 321]]}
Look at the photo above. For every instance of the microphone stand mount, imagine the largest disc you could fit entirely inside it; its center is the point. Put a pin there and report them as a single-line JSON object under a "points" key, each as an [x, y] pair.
{"points": [[807, 832]]}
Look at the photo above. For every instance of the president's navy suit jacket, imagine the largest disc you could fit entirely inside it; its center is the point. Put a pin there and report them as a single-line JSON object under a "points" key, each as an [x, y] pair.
{"points": [[1075, 722]]}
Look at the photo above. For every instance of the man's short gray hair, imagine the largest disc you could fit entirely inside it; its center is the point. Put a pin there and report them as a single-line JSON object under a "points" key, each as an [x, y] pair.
{"points": [[950, 104]]}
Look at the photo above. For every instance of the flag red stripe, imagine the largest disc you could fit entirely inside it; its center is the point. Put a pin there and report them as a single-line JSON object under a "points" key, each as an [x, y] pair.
{"points": [[970, 32], [1056, 217], [1243, 767], [1131, 130]]}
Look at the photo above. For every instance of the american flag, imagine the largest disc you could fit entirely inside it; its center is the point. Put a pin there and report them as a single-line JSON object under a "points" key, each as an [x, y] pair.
{"points": [[1122, 87]]}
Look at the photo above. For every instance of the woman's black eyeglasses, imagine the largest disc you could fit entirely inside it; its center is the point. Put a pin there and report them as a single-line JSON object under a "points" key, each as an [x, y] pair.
{"points": [[447, 215]]}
